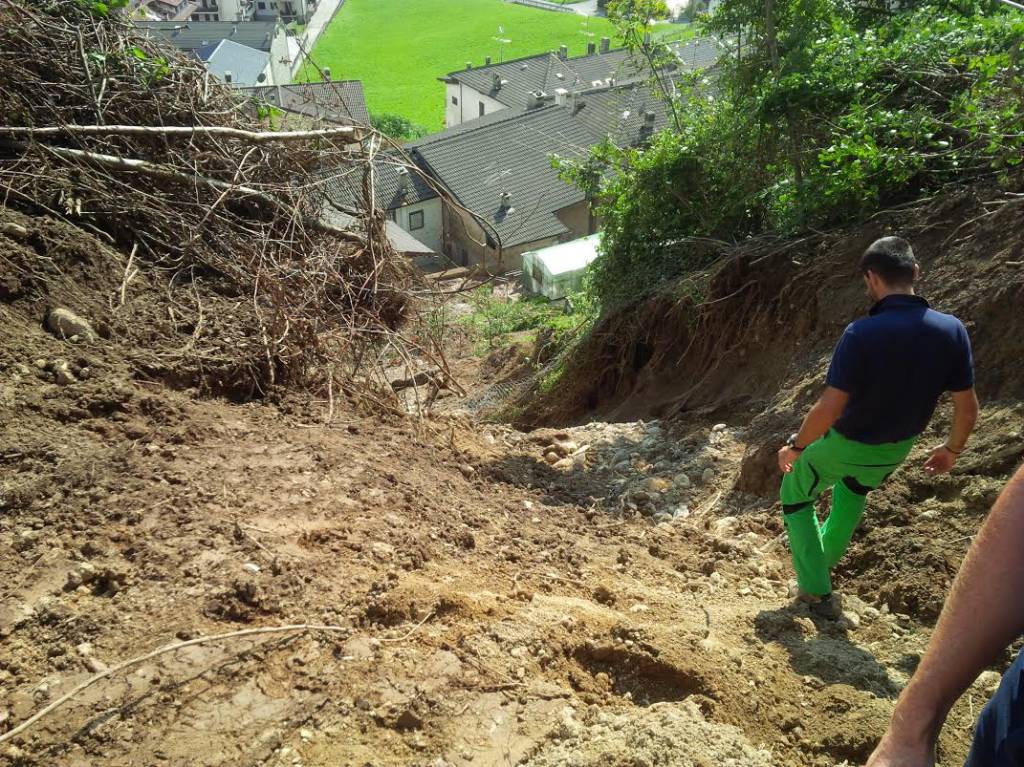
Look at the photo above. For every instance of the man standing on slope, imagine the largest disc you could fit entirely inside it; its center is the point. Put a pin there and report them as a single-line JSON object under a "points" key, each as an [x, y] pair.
{"points": [[887, 374]]}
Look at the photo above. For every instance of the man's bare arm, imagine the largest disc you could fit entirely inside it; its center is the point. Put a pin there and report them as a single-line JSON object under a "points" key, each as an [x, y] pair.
{"points": [[819, 419], [965, 415], [983, 614]]}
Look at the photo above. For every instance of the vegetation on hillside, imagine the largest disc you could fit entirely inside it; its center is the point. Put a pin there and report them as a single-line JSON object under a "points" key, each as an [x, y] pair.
{"points": [[498, 321], [397, 127], [832, 110], [399, 48]]}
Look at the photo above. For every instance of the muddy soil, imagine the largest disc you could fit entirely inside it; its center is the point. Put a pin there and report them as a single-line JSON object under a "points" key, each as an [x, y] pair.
{"points": [[489, 607], [610, 594]]}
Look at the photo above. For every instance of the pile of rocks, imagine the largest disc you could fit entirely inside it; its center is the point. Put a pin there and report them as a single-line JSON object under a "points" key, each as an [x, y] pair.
{"points": [[649, 471], [562, 452]]}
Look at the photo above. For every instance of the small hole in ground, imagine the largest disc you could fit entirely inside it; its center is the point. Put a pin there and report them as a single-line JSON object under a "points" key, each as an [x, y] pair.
{"points": [[647, 679]]}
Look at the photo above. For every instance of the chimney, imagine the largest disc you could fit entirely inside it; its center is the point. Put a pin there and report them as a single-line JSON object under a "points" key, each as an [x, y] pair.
{"points": [[606, 44], [487, 61], [561, 94], [403, 180], [591, 48], [327, 74], [534, 99], [647, 127], [575, 102], [234, 30], [469, 65], [506, 199], [497, 81], [563, 52], [227, 77]]}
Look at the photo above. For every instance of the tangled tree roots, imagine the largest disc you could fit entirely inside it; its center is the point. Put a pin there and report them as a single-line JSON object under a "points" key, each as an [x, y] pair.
{"points": [[125, 138]]}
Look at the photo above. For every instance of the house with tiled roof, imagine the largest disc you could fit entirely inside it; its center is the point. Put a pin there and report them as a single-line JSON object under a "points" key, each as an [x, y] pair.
{"points": [[475, 92], [484, 192], [201, 38], [235, 64]]}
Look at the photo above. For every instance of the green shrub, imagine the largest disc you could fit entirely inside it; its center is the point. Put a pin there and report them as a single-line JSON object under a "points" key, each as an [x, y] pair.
{"points": [[397, 127], [494, 320], [832, 111]]}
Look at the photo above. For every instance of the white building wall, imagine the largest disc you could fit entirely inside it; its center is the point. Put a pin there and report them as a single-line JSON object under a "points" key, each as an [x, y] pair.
{"points": [[431, 232], [230, 10], [462, 104]]}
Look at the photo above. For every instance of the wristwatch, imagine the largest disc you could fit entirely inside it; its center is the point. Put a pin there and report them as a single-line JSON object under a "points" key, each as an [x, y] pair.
{"points": [[791, 443]]}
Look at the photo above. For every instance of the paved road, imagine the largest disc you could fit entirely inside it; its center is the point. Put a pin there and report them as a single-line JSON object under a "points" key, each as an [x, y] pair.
{"points": [[314, 28], [587, 8]]}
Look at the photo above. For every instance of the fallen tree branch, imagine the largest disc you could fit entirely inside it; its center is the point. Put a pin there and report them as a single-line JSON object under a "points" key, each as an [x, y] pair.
{"points": [[160, 651], [187, 131], [132, 165]]}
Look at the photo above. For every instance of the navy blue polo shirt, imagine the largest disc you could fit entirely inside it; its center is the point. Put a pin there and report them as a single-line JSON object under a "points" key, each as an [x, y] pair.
{"points": [[895, 364]]}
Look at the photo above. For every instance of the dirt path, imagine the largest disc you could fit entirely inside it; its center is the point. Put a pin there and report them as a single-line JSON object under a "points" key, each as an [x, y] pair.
{"points": [[498, 610]]}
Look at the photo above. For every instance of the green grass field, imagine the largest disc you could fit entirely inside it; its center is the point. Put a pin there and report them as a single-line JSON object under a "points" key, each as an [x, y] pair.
{"points": [[399, 48]]}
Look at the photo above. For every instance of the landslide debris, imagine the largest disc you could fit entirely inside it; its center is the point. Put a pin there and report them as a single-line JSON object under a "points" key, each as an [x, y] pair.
{"points": [[165, 217]]}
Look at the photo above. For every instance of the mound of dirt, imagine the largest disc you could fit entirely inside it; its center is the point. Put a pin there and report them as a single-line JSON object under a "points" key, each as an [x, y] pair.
{"points": [[651, 739], [754, 342]]}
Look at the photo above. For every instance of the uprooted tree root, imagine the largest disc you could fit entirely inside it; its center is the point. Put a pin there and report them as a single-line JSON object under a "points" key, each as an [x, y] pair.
{"points": [[128, 140]]}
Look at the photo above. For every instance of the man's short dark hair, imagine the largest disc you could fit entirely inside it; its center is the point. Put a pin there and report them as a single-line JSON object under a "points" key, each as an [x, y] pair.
{"points": [[892, 259]]}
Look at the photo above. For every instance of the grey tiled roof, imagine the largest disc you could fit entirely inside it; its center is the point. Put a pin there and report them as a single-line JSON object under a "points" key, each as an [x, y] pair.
{"points": [[513, 155], [339, 101], [192, 35], [344, 185], [546, 72], [246, 65]]}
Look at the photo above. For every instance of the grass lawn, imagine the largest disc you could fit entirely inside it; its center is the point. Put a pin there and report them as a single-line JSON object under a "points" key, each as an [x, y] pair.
{"points": [[399, 48]]}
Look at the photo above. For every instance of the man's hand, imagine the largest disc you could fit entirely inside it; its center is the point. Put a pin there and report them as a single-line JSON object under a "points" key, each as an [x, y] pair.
{"points": [[891, 753], [787, 457], [940, 460]]}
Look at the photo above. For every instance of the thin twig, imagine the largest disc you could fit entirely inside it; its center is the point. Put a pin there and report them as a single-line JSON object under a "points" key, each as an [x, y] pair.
{"points": [[161, 651], [411, 631]]}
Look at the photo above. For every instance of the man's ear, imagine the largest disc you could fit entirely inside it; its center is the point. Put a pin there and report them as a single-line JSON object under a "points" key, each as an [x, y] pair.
{"points": [[917, 271]]}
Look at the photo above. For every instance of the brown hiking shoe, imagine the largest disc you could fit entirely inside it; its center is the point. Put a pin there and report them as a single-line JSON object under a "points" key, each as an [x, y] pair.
{"points": [[829, 607]]}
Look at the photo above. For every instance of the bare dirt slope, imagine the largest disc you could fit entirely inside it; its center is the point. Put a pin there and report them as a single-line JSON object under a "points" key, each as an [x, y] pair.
{"points": [[494, 610], [598, 597], [615, 594]]}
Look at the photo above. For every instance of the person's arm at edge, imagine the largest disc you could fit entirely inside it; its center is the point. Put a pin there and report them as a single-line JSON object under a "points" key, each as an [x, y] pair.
{"points": [[982, 615], [819, 419]]}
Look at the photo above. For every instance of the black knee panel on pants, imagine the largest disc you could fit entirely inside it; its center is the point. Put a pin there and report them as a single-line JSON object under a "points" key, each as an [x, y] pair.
{"points": [[856, 487]]}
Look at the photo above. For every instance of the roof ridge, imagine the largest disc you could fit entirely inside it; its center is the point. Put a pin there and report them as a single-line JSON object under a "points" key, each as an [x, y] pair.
{"points": [[515, 114], [456, 72]]}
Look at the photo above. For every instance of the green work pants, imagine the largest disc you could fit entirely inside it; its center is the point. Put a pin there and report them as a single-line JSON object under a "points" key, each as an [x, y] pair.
{"points": [[851, 469]]}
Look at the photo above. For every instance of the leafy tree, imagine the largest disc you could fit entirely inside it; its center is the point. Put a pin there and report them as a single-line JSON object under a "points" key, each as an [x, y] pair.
{"points": [[397, 127], [825, 111]]}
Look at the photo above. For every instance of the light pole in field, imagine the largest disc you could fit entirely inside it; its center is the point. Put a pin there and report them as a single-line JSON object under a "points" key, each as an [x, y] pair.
{"points": [[502, 42]]}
